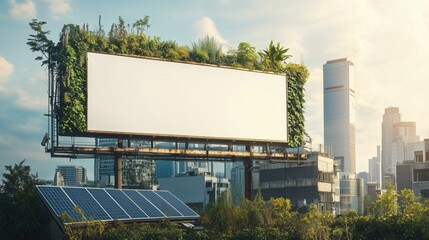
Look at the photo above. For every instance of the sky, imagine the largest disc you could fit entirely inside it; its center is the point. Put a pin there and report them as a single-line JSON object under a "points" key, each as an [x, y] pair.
{"points": [[386, 40]]}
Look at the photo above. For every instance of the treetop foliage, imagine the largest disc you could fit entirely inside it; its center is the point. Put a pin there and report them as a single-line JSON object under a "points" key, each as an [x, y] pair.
{"points": [[20, 209]]}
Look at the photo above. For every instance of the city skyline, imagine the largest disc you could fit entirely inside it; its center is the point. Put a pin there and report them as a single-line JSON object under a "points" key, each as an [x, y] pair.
{"points": [[387, 51]]}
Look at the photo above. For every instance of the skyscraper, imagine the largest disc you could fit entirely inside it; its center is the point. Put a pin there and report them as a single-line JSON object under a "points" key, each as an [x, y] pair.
{"points": [[390, 117], [375, 168], [339, 112], [395, 134]]}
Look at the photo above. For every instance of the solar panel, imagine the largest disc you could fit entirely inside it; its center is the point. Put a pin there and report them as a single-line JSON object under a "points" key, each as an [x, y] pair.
{"points": [[107, 202], [113, 204], [177, 204], [90, 207], [146, 206], [129, 206], [162, 205], [59, 202]]}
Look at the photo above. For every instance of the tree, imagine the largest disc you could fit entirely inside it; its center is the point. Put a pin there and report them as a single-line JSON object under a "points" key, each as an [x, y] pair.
{"points": [[142, 25], [246, 55], [218, 215], [206, 50], [274, 57], [386, 205], [39, 42], [409, 204], [316, 224], [20, 216]]}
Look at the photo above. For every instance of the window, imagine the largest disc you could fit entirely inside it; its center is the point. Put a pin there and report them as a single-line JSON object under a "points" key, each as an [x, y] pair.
{"points": [[418, 156], [340, 163]]}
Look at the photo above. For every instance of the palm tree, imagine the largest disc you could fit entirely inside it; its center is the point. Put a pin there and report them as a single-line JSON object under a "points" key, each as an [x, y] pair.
{"points": [[274, 57]]}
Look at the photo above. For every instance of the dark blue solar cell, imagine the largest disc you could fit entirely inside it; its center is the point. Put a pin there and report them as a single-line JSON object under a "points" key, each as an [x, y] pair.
{"points": [[129, 206], [109, 205], [84, 200], [160, 203], [144, 204], [58, 201], [177, 204]]}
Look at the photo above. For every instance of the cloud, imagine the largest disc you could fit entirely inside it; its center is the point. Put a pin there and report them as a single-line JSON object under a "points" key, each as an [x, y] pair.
{"points": [[23, 11], [388, 51], [58, 7], [29, 101], [21, 98], [206, 27], [38, 77], [6, 69]]}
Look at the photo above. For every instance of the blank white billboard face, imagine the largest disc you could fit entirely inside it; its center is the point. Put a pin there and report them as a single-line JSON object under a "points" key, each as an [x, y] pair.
{"points": [[128, 95]]}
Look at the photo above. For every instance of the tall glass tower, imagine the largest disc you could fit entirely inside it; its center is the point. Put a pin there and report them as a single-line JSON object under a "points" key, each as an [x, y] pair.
{"points": [[339, 112]]}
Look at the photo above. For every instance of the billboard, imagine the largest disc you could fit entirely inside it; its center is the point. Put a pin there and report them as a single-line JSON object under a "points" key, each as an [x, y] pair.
{"points": [[148, 97]]}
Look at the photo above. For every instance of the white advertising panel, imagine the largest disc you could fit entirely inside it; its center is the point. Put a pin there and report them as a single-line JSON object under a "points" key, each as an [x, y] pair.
{"points": [[137, 96]]}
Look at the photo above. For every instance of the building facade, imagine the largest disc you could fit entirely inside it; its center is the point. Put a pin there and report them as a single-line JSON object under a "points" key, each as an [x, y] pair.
{"points": [[196, 188], [70, 175], [365, 178], [413, 173], [136, 172], [237, 182], [311, 181], [395, 134], [351, 193], [374, 165], [339, 112]]}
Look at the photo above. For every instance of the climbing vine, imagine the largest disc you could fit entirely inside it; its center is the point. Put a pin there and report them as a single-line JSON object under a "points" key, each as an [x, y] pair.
{"points": [[67, 61]]}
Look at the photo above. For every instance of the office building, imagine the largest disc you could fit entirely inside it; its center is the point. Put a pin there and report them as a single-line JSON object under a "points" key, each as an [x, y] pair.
{"points": [[196, 188], [374, 165], [373, 190], [365, 178], [136, 172], [165, 168], [413, 173], [351, 193], [395, 133], [339, 112], [237, 182], [312, 181], [58, 179], [70, 175]]}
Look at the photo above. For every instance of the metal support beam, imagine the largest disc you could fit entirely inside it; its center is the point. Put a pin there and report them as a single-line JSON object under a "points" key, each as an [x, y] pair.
{"points": [[118, 170], [248, 166], [118, 165]]}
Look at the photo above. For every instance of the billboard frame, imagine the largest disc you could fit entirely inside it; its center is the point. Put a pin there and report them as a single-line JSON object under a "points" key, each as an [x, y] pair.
{"points": [[188, 138]]}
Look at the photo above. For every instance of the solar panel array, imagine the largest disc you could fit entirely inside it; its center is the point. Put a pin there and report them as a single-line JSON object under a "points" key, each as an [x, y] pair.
{"points": [[114, 204]]}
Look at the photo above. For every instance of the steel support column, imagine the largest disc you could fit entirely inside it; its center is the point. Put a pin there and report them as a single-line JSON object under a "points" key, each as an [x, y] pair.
{"points": [[118, 170], [248, 166]]}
